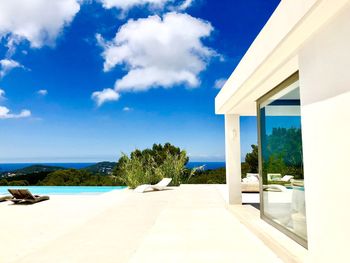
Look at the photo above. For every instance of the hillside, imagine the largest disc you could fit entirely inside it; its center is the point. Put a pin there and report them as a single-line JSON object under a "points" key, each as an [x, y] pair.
{"points": [[32, 169], [37, 169], [104, 168]]}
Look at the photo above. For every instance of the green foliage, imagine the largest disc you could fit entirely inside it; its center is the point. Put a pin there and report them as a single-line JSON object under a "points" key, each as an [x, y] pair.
{"points": [[283, 152], [73, 177], [252, 159], [32, 178], [118, 171], [69, 177], [244, 169], [217, 176], [3, 182], [18, 183], [286, 144], [251, 163], [149, 166], [137, 170], [275, 164], [37, 169], [161, 152], [174, 166]]}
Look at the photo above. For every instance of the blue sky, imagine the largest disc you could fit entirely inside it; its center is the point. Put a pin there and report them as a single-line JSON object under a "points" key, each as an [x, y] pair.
{"points": [[87, 80]]}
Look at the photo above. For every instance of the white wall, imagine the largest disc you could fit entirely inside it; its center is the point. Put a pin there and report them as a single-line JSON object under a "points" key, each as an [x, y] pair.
{"points": [[270, 59], [324, 64], [233, 158]]}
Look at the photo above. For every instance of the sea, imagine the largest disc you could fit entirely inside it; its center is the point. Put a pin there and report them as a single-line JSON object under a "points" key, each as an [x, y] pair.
{"points": [[8, 167]]}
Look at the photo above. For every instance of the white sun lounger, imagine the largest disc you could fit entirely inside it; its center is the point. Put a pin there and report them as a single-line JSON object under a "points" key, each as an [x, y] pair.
{"points": [[158, 187], [275, 188]]}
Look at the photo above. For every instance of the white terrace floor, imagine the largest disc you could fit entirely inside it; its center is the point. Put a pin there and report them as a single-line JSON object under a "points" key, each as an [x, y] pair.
{"points": [[185, 224]]}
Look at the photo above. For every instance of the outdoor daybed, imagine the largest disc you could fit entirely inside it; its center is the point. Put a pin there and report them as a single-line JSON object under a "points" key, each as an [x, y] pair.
{"points": [[250, 184]]}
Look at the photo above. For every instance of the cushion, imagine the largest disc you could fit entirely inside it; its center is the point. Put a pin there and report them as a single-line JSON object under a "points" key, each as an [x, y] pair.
{"points": [[287, 178], [251, 178]]}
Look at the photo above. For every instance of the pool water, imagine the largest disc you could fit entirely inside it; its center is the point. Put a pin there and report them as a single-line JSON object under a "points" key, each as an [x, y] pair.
{"points": [[63, 190]]}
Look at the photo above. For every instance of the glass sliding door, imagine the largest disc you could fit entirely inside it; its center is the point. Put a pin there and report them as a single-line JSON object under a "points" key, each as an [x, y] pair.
{"points": [[281, 160]]}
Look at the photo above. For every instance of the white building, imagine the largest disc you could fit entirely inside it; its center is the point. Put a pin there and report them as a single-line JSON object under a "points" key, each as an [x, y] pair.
{"points": [[295, 78]]}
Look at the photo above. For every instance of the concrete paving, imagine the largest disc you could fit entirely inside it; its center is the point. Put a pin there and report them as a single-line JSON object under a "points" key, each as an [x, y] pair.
{"points": [[190, 223]]}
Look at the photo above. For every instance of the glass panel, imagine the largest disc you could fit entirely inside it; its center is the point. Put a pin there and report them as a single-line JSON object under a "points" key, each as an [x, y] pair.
{"points": [[282, 161]]}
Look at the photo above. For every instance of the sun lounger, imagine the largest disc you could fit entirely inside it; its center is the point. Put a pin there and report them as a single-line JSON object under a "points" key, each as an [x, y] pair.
{"points": [[25, 196], [17, 196], [275, 188], [5, 198], [287, 178], [158, 187]]}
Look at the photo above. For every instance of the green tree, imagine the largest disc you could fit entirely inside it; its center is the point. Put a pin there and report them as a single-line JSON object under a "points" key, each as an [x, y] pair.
{"points": [[284, 152], [73, 177], [137, 170], [150, 165], [251, 162], [252, 159]]}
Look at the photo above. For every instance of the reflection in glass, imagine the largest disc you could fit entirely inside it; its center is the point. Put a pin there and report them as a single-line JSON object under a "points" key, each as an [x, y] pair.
{"points": [[282, 161]]}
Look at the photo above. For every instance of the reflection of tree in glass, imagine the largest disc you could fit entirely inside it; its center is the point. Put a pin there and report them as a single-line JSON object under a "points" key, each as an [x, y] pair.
{"points": [[283, 152]]}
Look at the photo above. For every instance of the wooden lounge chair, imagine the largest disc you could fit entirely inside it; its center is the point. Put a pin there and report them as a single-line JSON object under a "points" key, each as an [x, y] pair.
{"points": [[158, 187], [5, 198], [16, 195], [25, 196]]}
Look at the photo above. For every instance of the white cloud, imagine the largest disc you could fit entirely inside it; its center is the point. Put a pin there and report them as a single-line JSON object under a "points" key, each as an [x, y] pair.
{"points": [[186, 4], [159, 52], [219, 83], [42, 92], [5, 114], [37, 21], [105, 95], [2, 94], [127, 109], [6, 65], [126, 5]]}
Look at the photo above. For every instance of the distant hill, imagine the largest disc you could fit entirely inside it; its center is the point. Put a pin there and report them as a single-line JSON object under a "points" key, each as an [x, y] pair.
{"points": [[24, 179], [104, 168], [37, 169], [37, 172]]}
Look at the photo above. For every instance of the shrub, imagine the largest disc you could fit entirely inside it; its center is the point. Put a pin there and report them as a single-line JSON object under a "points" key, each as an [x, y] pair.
{"points": [[138, 170], [151, 165], [174, 167]]}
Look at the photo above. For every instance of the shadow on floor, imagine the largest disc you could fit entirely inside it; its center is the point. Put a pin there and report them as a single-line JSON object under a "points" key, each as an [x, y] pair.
{"points": [[256, 205]]}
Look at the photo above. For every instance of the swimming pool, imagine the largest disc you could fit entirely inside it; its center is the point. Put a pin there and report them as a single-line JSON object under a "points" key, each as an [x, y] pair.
{"points": [[63, 190]]}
